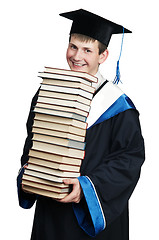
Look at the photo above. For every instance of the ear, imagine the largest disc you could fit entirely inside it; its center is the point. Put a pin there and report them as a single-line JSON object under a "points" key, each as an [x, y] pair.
{"points": [[103, 56]]}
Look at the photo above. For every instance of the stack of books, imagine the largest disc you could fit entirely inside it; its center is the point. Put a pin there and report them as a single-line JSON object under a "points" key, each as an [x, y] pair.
{"points": [[59, 130]]}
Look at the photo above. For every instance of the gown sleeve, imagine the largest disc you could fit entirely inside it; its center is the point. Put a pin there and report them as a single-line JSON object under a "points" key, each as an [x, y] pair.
{"points": [[108, 187], [26, 200]]}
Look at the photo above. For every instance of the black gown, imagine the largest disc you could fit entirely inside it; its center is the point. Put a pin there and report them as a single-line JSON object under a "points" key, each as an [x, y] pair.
{"points": [[113, 159]]}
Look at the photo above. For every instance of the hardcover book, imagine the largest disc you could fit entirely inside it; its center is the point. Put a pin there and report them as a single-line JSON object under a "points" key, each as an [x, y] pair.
{"points": [[58, 131]]}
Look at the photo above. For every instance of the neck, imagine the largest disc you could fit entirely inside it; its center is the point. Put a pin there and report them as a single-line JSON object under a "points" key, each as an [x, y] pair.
{"points": [[100, 80]]}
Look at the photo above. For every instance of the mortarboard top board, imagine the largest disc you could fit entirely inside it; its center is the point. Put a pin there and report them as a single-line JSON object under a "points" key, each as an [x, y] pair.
{"points": [[92, 25]]}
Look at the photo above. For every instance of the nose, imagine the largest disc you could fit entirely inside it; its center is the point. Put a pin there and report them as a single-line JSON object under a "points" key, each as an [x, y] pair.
{"points": [[77, 55]]}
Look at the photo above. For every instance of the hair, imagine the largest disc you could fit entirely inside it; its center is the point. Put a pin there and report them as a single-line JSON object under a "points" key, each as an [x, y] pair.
{"points": [[83, 38]]}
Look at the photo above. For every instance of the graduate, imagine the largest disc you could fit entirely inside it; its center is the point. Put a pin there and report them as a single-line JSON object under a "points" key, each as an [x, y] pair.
{"points": [[97, 207]]}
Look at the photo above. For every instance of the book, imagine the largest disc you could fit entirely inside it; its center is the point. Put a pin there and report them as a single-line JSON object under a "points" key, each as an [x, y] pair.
{"points": [[63, 102], [59, 130], [51, 171], [50, 132], [69, 112], [55, 158], [55, 165], [64, 77], [44, 192], [66, 96], [71, 73], [67, 90], [62, 186], [59, 127], [45, 186], [43, 176], [56, 149], [70, 84], [59, 141], [60, 120]]}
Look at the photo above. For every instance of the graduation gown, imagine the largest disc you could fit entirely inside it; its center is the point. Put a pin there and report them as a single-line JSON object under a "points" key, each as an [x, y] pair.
{"points": [[109, 173]]}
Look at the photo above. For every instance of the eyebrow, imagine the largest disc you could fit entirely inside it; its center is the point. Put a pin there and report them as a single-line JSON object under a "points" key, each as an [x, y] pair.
{"points": [[85, 48], [88, 48]]}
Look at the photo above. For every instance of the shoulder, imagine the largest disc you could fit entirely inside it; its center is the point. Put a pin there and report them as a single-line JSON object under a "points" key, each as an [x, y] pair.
{"points": [[109, 102]]}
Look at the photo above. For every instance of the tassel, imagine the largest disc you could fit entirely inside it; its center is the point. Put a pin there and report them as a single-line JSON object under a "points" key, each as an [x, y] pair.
{"points": [[117, 77]]}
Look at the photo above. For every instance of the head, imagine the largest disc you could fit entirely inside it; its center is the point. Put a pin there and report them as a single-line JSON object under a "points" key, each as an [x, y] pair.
{"points": [[85, 53]]}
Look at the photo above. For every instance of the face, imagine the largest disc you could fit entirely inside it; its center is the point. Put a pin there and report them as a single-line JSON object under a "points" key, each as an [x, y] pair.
{"points": [[84, 56]]}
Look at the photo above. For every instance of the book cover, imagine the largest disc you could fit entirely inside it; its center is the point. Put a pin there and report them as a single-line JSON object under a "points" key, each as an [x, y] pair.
{"points": [[63, 102], [54, 165], [43, 176], [59, 127], [75, 91], [63, 77], [45, 182], [44, 192], [56, 149], [70, 84], [71, 73], [45, 186], [55, 158], [60, 120], [50, 132], [59, 141], [66, 96], [69, 112], [51, 171]]}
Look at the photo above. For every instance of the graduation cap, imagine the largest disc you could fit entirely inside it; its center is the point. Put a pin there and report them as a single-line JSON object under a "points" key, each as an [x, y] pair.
{"points": [[96, 27], [92, 25]]}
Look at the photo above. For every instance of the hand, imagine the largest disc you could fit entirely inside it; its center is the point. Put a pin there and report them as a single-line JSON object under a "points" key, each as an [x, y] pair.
{"points": [[26, 190], [76, 194], [25, 167]]}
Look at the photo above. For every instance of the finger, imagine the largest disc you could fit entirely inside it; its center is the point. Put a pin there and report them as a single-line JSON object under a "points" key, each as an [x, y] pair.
{"points": [[70, 181], [72, 197], [67, 199], [75, 195]]}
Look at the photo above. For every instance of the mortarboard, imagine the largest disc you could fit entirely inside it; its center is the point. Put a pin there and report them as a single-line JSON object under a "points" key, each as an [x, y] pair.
{"points": [[92, 25], [97, 27]]}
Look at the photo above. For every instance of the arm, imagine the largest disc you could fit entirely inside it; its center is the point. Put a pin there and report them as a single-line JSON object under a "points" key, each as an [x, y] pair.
{"points": [[26, 200], [108, 187]]}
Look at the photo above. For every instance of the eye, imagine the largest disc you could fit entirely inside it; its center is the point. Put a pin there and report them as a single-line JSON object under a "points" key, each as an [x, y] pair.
{"points": [[88, 51], [72, 46]]}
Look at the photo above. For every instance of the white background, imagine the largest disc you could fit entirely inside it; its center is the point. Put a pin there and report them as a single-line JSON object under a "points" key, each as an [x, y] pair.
{"points": [[33, 35]]}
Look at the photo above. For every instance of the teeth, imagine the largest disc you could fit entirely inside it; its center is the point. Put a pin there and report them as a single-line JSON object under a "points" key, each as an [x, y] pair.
{"points": [[77, 64]]}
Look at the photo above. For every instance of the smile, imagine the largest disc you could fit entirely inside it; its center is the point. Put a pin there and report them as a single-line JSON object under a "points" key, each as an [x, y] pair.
{"points": [[78, 64]]}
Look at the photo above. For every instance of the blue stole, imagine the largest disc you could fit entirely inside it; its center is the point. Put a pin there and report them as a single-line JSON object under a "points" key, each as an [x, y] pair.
{"points": [[122, 104]]}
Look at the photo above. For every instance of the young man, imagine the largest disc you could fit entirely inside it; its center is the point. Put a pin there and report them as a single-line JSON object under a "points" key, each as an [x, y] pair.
{"points": [[97, 207]]}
